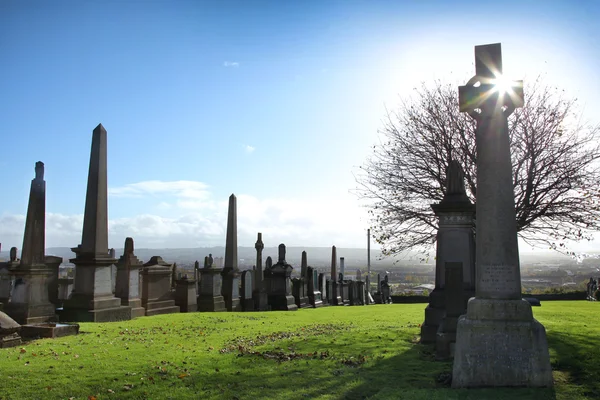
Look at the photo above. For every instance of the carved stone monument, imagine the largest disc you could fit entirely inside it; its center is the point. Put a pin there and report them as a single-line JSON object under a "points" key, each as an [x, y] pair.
{"points": [[127, 285], [498, 342], [246, 297], [231, 282], [277, 277], [209, 297], [30, 302], [335, 299], [455, 243], [92, 299], [455, 306], [156, 288], [314, 294], [186, 296], [261, 300]]}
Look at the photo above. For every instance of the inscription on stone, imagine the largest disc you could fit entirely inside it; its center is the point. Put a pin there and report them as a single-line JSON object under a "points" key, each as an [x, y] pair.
{"points": [[497, 278]]}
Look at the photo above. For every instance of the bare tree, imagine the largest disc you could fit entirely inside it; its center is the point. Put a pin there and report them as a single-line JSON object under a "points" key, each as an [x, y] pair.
{"points": [[556, 175]]}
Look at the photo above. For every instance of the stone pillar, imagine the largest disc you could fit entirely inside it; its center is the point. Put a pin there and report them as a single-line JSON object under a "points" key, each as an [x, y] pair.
{"points": [[127, 282], [209, 297], [231, 272], [261, 300], [314, 294], [323, 288], [455, 306], [29, 302], [246, 297], [53, 264], [336, 298], [277, 278], [92, 299], [186, 297], [498, 342], [455, 243]]}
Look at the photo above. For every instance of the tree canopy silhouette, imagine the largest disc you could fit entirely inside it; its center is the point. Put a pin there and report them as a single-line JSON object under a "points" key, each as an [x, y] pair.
{"points": [[556, 175]]}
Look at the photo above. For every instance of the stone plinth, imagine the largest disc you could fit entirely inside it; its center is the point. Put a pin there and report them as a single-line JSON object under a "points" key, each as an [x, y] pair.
{"points": [[9, 331], [156, 288], [48, 330], [186, 297], [209, 298], [29, 302], [277, 281]]}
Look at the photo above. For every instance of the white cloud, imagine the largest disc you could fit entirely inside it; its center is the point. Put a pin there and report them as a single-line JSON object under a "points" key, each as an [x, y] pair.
{"points": [[232, 64], [197, 219], [249, 149]]}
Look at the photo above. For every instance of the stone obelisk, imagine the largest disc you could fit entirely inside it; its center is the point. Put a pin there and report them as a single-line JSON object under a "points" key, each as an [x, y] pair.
{"points": [[30, 302], [498, 342], [231, 272], [92, 298], [336, 298]]}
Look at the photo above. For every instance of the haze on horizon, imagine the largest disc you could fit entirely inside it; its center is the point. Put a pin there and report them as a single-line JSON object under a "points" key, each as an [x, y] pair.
{"points": [[277, 102]]}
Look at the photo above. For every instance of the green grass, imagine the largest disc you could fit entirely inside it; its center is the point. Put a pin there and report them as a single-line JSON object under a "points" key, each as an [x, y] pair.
{"points": [[328, 353]]}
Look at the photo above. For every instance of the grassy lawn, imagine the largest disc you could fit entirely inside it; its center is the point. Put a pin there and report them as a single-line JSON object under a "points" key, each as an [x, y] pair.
{"points": [[328, 353]]}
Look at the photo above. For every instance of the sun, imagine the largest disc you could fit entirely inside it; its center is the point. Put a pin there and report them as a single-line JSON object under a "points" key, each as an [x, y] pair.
{"points": [[502, 84]]}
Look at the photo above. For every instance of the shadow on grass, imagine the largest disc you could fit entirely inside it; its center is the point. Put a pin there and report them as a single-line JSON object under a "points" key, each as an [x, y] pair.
{"points": [[578, 359]]}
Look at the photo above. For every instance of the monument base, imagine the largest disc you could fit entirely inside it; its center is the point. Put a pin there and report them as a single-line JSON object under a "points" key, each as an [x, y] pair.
{"points": [[11, 340], [499, 344], [136, 307], [434, 314], [158, 307], [282, 303], [25, 313], [232, 304], [261, 300], [211, 303], [446, 339], [85, 308]]}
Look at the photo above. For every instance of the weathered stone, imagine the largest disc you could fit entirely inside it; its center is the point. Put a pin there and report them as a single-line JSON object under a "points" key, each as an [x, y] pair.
{"points": [[209, 296], [92, 299], [9, 331], [455, 243], [231, 272], [323, 288], [246, 298], [314, 294], [277, 280], [186, 297], [127, 282], [498, 342], [455, 306], [156, 290], [261, 300], [334, 298]]}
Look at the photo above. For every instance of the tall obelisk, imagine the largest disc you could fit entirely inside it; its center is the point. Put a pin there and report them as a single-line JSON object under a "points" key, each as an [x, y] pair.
{"points": [[231, 272], [498, 342], [92, 298]]}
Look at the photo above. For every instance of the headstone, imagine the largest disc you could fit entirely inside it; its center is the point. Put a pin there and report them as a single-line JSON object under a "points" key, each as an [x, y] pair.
{"points": [[336, 298], [9, 331], [299, 289], [323, 288], [174, 275], [455, 306], [378, 294], [277, 278], [342, 268], [455, 243], [156, 290], [230, 274], [247, 301], [127, 287], [498, 342], [92, 299], [261, 300], [358, 275], [186, 296], [386, 293], [367, 291], [314, 294], [53, 264], [29, 300], [209, 297]]}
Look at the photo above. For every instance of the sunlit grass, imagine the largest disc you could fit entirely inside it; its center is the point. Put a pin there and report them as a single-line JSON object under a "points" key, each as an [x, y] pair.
{"points": [[328, 353]]}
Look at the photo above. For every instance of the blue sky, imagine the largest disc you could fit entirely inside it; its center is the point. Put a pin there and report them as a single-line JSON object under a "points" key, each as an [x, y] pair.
{"points": [[278, 102]]}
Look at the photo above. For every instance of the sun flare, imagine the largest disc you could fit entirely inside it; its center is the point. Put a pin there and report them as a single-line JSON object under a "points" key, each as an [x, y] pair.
{"points": [[502, 84]]}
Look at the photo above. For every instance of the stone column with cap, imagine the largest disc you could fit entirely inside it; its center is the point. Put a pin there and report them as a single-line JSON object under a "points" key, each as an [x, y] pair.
{"points": [[277, 279], [209, 293], [299, 285], [231, 273], [498, 342], [92, 299], [259, 294], [335, 298], [455, 244], [127, 286], [30, 302]]}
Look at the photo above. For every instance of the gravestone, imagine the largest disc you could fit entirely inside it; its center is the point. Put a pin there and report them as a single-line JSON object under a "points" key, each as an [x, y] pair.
{"points": [[334, 294], [277, 277], [314, 294], [261, 300], [343, 289], [323, 288], [455, 306], [156, 289], [360, 288], [209, 297], [358, 275], [174, 275], [9, 331], [53, 264], [386, 297], [231, 272], [367, 292], [298, 285], [7, 277], [127, 286], [378, 294], [247, 301], [29, 300], [186, 296], [498, 342], [455, 243], [92, 299]]}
